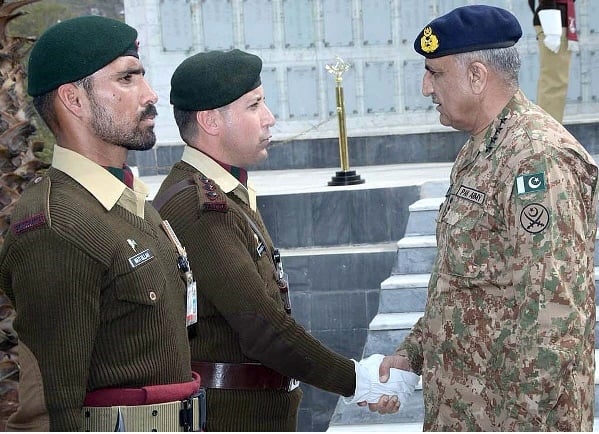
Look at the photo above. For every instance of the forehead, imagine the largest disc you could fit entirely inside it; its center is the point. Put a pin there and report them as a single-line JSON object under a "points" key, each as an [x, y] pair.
{"points": [[440, 63]]}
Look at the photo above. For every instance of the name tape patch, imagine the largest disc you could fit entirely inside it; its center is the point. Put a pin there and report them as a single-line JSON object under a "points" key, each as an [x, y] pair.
{"points": [[141, 258], [471, 194]]}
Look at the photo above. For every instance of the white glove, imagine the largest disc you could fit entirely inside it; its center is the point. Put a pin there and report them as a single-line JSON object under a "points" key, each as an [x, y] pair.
{"points": [[370, 389], [551, 23]]}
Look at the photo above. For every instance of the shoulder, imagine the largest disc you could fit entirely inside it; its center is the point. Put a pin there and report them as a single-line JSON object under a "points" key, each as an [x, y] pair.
{"points": [[184, 191], [212, 197], [32, 211]]}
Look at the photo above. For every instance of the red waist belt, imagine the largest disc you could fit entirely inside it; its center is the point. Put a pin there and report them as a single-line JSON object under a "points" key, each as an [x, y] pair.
{"points": [[248, 376], [158, 394]]}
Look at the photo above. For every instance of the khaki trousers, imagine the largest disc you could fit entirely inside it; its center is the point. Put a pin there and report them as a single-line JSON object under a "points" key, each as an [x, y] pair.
{"points": [[554, 72]]}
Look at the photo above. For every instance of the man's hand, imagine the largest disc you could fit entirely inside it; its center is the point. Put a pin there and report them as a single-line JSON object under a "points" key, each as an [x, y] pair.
{"points": [[398, 360], [389, 404]]}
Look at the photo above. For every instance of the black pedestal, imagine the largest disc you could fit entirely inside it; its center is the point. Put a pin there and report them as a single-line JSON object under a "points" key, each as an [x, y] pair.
{"points": [[346, 177]]}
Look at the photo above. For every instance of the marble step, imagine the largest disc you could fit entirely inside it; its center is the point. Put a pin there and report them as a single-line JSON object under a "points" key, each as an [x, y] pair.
{"points": [[350, 417], [415, 254], [423, 216], [407, 292]]}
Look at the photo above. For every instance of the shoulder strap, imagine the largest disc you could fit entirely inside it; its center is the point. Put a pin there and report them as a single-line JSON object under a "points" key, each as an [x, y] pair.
{"points": [[255, 228], [272, 256], [166, 195]]}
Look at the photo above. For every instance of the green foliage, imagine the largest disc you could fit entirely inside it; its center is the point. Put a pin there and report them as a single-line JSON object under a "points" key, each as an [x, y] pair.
{"points": [[37, 18], [40, 16]]}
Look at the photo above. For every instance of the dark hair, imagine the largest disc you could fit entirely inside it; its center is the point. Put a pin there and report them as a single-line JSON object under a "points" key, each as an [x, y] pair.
{"points": [[186, 121], [44, 104]]}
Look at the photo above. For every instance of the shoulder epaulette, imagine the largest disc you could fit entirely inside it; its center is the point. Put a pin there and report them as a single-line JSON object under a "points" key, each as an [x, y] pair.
{"points": [[31, 211], [211, 197]]}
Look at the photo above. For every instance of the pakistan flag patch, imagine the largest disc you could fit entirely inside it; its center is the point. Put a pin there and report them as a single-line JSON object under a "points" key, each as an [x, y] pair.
{"points": [[530, 183]]}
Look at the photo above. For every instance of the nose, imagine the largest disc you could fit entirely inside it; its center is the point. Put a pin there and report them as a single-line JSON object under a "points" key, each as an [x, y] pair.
{"points": [[269, 119], [427, 86], [149, 96]]}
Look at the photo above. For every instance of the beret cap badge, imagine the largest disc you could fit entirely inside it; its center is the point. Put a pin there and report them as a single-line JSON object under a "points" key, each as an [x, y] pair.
{"points": [[429, 41], [466, 29]]}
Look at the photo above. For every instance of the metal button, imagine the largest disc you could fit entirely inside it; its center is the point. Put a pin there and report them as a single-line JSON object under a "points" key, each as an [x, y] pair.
{"points": [[152, 296]]}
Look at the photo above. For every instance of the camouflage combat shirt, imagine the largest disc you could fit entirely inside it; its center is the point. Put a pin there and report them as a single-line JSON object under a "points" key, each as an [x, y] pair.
{"points": [[507, 338]]}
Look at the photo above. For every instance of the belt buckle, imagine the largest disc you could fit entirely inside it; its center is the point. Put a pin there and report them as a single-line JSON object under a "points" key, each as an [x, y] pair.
{"points": [[186, 415], [292, 384]]}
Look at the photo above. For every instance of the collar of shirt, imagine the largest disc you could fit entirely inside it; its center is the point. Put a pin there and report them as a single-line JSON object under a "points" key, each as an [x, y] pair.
{"points": [[99, 182], [227, 182], [491, 138]]}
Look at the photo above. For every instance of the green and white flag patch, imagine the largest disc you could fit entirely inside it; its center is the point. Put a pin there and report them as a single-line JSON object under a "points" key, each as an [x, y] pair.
{"points": [[530, 183]]}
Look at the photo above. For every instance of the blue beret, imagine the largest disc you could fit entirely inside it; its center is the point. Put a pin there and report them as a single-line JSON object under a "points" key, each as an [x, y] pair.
{"points": [[468, 28], [214, 79], [75, 48]]}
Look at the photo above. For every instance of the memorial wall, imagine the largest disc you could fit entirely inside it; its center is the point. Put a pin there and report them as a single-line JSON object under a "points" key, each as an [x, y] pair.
{"points": [[297, 39]]}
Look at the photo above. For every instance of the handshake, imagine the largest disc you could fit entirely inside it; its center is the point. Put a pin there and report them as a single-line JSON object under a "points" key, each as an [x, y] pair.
{"points": [[370, 389]]}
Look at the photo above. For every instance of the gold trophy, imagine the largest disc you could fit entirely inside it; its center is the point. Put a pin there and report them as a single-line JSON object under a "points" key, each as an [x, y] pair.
{"points": [[344, 176]]}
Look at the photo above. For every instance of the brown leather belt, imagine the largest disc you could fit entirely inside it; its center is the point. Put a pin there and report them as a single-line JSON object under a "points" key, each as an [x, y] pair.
{"points": [[246, 376]]}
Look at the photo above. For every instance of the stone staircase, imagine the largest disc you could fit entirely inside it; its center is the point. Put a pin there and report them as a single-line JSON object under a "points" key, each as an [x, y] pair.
{"points": [[401, 303]]}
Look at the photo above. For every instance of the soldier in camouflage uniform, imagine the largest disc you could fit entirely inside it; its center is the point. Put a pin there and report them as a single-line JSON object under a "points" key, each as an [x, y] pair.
{"points": [[507, 338]]}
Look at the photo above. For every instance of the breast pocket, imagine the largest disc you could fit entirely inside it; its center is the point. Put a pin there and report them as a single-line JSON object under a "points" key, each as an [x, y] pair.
{"points": [[472, 242], [144, 284]]}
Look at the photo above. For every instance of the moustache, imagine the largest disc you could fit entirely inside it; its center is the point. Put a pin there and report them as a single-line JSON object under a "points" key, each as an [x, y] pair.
{"points": [[149, 112]]}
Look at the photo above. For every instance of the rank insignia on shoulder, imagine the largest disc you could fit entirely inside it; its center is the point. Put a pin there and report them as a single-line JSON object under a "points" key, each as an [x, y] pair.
{"points": [[214, 200], [530, 183], [30, 223], [215, 206]]}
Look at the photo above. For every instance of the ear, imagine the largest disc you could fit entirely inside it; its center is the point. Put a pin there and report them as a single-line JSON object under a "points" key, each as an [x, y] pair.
{"points": [[208, 120], [478, 76], [70, 97]]}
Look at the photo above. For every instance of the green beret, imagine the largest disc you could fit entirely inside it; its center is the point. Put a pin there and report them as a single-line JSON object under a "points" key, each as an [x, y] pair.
{"points": [[214, 79], [75, 48], [468, 28]]}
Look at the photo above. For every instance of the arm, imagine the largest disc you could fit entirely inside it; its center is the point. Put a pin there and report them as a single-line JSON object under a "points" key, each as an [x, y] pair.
{"points": [[57, 308], [554, 287], [239, 286]]}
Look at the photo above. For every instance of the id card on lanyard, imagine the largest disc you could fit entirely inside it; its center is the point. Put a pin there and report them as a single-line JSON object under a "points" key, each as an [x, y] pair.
{"points": [[191, 316]]}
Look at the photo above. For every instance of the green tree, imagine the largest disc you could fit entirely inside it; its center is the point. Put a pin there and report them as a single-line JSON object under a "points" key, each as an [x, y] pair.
{"points": [[18, 165]]}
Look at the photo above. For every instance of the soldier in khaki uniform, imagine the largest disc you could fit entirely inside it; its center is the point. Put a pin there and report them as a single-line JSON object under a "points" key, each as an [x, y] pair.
{"points": [[87, 261], [248, 348], [555, 24], [506, 342]]}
